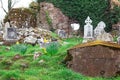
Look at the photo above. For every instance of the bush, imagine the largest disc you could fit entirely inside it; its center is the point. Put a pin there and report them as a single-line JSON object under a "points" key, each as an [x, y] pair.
{"points": [[21, 48], [52, 48]]}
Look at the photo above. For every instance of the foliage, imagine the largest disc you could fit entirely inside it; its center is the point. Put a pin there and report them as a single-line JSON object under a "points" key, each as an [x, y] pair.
{"points": [[49, 21], [20, 48], [98, 10], [9, 75], [33, 5], [52, 48]]}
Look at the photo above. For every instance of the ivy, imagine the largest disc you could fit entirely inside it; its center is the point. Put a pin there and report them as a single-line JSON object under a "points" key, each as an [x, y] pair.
{"points": [[80, 9]]}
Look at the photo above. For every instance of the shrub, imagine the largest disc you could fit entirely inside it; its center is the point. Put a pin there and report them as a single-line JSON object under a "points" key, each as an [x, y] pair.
{"points": [[21, 48], [52, 48]]}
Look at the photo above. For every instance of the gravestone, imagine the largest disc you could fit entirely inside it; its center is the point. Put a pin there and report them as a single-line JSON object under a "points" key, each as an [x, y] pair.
{"points": [[10, 36], [88, 29], [11, 33], [99, 29], [61, 33], [7, 25]]}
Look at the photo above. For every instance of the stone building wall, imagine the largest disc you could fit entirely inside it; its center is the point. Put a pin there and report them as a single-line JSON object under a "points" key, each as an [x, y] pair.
{"points": [[22, 17]]}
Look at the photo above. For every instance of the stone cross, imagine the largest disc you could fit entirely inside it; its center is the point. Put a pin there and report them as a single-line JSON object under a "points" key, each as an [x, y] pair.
{"points": [[88, 29]]}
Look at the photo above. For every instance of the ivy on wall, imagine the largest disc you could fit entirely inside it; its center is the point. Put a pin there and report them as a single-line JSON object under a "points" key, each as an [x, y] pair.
{"points": [[98, 10]]}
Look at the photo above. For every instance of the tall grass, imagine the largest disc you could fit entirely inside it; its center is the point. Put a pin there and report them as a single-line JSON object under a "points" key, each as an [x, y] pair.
{"points": [[50, 69]]}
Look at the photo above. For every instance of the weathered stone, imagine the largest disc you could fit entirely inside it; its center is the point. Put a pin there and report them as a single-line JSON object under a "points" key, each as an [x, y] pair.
{"points": [[30, 39], [88, 29], [57, 18], [99, 29], [104, 36], [22, 17], [36, 55], [95, 59]]}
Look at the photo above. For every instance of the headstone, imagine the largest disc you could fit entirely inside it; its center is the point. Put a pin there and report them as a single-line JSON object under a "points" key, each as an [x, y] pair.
{"points": [[99, 29], [7, 25], [11, 33], [88, 29], [61, 33]]}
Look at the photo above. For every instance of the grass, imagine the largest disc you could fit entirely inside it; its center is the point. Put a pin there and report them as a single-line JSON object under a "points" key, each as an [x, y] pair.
{"points": [[50, 69]]}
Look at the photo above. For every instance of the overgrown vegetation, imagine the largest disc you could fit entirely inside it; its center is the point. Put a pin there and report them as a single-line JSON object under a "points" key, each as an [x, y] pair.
{"points": [[52, 48], [20, 48], [98, 10], [44, 67]]}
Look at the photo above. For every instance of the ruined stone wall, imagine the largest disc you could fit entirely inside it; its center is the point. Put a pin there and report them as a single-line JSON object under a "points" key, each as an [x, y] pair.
{"points": [[21, 16], [52, 17]]}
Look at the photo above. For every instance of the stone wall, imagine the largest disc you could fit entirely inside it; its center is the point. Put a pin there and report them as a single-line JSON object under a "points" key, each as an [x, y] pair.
{"points": [[22, 17], [94, 60]]}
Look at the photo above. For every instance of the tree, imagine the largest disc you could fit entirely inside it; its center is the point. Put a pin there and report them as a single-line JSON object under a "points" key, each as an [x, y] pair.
{"points": [[99, 10], [11, 4]]}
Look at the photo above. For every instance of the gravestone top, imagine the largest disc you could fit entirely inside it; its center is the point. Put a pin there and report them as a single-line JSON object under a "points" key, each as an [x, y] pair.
{"points": [[88, 20]]}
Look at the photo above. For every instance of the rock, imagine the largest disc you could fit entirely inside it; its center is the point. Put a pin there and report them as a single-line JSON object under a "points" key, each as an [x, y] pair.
{"points": [[105, 37], [36, 55], [17, 57], [30, 39], [24, 65], [41, 61], [7, 48]]}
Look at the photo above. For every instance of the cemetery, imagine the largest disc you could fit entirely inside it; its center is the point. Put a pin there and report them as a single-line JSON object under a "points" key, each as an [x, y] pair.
{"points": [[61, 40]]}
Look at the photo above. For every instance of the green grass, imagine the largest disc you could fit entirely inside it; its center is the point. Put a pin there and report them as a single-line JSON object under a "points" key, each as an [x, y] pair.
{"points": [[50, 69]]}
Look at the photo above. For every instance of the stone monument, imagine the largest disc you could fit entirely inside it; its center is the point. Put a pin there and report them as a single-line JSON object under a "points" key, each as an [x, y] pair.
{"points": [[99, 29], [7, 25], [88, 29], [11, 33], [61, 33]]}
